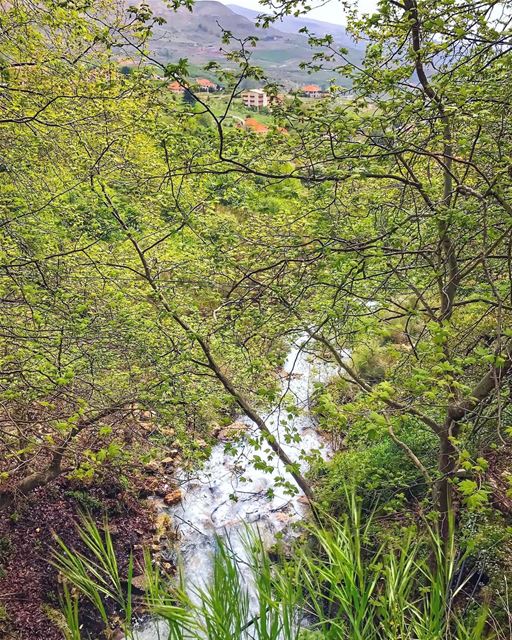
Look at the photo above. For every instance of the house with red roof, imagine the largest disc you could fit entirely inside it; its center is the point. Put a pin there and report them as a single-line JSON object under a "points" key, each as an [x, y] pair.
{"points": [[203, 84], [176, 87], [251, 124], [311, 91]]}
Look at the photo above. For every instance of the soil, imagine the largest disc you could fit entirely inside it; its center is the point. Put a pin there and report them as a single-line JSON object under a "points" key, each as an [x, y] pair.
{"points": [[29, 585]]}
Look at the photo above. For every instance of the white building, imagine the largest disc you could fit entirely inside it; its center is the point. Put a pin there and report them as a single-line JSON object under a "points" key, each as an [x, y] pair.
{"points": [[255, 99]]}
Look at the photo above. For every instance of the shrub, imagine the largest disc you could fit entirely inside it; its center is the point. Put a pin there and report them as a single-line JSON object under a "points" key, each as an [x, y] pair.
{"points": [[347, 590]]}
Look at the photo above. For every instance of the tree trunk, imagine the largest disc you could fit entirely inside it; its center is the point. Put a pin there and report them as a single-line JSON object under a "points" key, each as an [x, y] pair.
{"points": [[447, 461], [29, 484], [41, 478]]}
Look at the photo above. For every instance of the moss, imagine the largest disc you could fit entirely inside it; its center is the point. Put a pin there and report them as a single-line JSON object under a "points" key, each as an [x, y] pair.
{"points": [[4, 614], [85, 500], [56, 617], [373, 360]]}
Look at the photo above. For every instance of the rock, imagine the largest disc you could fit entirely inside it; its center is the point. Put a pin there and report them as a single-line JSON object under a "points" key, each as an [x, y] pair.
{"points": [[152, 467], [163, 525], [282, 517], [139, 582], [154, 487], [231, 431], [173, 497]]}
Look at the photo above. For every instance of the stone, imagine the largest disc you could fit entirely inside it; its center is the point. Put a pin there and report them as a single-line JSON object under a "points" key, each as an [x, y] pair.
{"points": [[281, 517], [163, 523], [233, 430], [173, 497], [153, 466], [153, 487], [139, 582]]}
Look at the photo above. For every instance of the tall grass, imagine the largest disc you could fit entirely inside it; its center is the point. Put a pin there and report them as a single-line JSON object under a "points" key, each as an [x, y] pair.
{"points": [[338, 586]]}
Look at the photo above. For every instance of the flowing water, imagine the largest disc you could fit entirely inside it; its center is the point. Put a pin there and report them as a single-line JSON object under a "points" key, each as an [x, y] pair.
{"points": [[231, 490]]}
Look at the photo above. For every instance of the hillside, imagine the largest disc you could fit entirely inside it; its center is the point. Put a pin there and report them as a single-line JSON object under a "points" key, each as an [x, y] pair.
{"points": [[197, 36], [292, 24]]}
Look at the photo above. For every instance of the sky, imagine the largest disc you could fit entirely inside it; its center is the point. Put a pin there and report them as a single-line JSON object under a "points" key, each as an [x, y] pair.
{"points": [[330, 11]]}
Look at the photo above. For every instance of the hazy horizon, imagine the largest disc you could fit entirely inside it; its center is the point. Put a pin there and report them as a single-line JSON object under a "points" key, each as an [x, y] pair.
{"points": [[332, 11]]}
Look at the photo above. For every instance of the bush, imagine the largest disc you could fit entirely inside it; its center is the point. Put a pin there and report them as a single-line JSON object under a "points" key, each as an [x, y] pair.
{"points": [[380, 472], [347, 590]]}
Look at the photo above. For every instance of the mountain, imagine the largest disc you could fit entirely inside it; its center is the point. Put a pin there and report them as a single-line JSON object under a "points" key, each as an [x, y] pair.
{"points": [[292, 24], [202, 25], [197, 34]]}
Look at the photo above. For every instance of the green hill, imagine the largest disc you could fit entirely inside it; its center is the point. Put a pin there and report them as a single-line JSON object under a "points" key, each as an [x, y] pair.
{"points": [[197, 36]]}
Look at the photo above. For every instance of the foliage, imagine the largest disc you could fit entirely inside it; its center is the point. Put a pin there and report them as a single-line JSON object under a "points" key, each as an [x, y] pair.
{"points": [[348, 588], [156, 258]]}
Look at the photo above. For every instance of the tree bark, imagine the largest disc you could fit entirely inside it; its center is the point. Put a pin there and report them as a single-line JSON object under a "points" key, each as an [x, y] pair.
{"points": [[29, 484], [447, 465]]}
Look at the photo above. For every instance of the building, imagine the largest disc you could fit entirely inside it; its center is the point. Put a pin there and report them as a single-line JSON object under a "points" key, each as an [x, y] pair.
{"points": [[255, 99], [176, 87], [203, 84], [311, 91], [250, 124]]}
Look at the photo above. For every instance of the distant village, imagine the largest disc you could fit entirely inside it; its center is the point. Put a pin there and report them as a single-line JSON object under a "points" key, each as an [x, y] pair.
{"points": [[252, 98], [257, 100]]}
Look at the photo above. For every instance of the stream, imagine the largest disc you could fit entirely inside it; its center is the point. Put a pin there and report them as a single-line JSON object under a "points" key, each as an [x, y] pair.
{"points": [[230, 491]]}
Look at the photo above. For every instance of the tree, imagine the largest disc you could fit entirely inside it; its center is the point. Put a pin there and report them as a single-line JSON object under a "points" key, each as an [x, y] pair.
{"points": [[412, 193], [406, 222], [380, 221]]}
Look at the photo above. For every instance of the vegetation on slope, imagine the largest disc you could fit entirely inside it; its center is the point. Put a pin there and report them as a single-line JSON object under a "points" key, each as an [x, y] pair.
{"points": [[156, 259]]}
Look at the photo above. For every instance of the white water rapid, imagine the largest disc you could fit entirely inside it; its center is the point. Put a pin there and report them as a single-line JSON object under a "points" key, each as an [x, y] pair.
{"points": [[230, 491]]}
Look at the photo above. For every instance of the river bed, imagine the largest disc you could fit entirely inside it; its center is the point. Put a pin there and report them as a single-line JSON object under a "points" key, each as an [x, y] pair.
{"points": [[231, 491]]}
